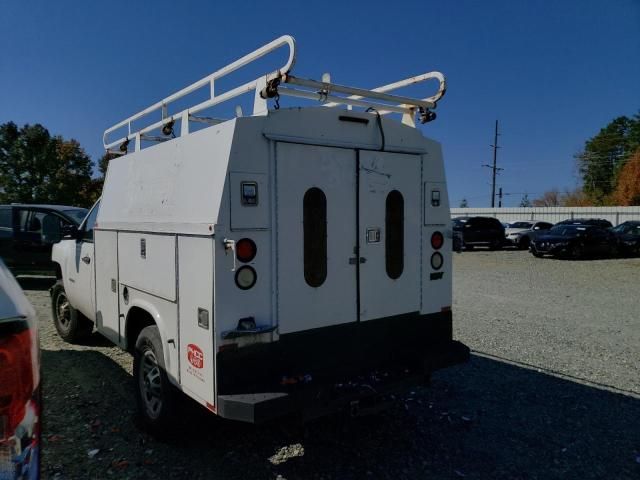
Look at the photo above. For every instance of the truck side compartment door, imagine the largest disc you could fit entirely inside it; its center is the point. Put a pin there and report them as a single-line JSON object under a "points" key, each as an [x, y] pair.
{"points": [[197, 348], [107, 304]]}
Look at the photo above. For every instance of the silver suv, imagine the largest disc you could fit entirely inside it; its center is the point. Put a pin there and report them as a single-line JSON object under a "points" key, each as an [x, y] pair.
{"points": [[520, 234]]}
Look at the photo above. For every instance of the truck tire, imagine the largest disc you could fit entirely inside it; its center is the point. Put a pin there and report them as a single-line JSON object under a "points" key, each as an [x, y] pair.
{"points": [[72, 326], [155, 396]]}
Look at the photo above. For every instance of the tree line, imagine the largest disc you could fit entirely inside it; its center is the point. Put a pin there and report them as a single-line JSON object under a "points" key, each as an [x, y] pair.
{"points": [[37, 167], [609, 167]]}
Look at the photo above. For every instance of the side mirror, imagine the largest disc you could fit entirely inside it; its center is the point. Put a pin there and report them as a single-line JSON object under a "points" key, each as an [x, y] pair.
{"points": [[51, 230]]}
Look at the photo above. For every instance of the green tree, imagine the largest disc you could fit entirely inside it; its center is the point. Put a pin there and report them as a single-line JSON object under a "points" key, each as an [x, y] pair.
{"points": [[464, 203], [38, 168], [604, 156]]}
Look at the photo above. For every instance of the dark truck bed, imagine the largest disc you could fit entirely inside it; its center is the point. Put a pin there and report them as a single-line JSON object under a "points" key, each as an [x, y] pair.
{"points": [[319, 371]]}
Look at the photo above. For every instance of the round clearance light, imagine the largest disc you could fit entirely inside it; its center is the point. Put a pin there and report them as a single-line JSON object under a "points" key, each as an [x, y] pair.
{"points": [[437, 240], [437, 261], [246, 250], [246, 277]]}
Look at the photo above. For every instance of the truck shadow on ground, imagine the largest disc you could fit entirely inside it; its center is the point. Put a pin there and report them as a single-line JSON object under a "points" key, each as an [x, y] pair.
{"points": [[485, 419]]}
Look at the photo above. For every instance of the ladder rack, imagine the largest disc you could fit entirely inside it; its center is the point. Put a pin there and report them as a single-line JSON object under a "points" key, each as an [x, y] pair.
{"points": [[271, 86]]}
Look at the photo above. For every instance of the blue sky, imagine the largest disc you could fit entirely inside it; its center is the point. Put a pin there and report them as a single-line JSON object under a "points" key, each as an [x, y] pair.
{"points": [[552, 72]]}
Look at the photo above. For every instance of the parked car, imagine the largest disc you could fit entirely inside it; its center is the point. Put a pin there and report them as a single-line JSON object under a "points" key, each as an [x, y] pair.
{"points": [[19, 382], [596, 222], [24, 246], [479, 231], [628, 236], [520, 234], [574, 241]]}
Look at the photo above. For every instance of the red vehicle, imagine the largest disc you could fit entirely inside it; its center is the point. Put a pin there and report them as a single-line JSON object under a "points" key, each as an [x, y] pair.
{"points": [[19, 383]]}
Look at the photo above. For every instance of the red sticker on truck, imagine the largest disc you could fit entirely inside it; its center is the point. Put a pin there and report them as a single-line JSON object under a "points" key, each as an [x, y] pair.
{"points": [[195, 355]]}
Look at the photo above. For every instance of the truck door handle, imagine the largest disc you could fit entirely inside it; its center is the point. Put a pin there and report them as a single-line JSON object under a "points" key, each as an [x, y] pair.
{"points": [[356, 260], [86, 259]]}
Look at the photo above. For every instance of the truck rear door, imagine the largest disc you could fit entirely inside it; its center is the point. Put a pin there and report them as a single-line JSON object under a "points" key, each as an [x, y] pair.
{"points": [[348, 235], [390, 228], [316, 236]]}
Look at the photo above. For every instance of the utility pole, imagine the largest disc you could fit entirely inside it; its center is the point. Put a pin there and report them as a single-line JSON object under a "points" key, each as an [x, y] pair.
{"points": [[500, 197], [494, 167]]}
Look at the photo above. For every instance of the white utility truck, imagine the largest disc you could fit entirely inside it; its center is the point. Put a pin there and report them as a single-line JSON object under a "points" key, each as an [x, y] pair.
{"points": [[295, 261]]}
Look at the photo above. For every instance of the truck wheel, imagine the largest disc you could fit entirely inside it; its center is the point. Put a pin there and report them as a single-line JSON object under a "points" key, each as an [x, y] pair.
{"points": [[71, 325], [154, 393]]}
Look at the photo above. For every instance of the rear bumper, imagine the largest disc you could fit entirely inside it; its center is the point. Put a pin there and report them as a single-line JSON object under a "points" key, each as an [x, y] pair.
{"points": [[320, 371]]}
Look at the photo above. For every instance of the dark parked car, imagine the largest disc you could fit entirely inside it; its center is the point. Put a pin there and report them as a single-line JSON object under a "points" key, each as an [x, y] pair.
{"points": [[628, 235], [596, 222], [479, 231], [19, 383], [574, 241], [23, 245]]}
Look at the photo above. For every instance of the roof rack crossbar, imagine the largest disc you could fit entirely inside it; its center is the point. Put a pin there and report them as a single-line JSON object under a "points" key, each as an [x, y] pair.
{"points": [[335, 100], [361, 92]]}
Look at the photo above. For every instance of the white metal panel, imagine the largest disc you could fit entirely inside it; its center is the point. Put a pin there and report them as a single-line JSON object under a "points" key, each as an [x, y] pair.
{"points": [[172, 187], [299, 168], [323, 126], [106, 265], [436, 284], [436, 212], [380, 174], [234, 303], [148, 262], [249, 217], [197, 353]]}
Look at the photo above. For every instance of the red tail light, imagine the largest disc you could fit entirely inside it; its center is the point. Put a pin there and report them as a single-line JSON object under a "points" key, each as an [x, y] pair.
{"points": [[246, 250], [16, 378], [437, 240]]}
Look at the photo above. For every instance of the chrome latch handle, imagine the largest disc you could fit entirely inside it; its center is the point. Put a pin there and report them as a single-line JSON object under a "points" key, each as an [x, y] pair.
{"points": [[230, 246]]}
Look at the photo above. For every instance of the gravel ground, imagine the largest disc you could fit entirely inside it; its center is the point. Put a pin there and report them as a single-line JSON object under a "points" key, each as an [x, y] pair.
{"points": [[552, 391]]}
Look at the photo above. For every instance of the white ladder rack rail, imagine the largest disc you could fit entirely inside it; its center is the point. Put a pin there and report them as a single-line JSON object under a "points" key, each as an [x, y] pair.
{"points": [[162, 105], [272, 85]]}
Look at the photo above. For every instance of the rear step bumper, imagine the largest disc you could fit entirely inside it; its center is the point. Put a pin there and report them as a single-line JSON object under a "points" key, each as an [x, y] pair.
{"points": [[360, 396], [354, 367]]}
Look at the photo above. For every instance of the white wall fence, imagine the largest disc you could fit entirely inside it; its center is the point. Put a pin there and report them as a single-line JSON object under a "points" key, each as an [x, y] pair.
{"points": [[615, 215]]}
